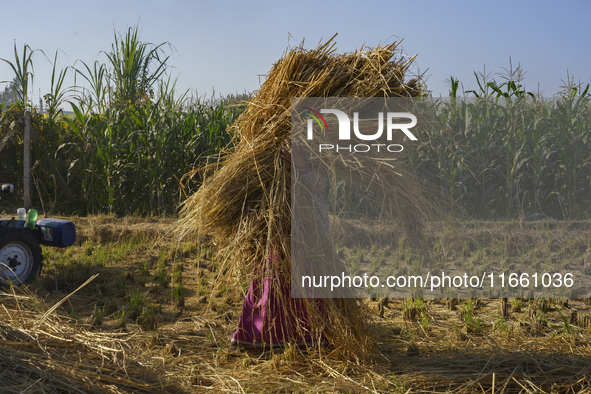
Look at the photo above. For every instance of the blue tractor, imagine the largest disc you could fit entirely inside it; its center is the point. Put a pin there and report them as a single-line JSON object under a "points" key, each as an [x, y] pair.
{"points": [[21, 259]]}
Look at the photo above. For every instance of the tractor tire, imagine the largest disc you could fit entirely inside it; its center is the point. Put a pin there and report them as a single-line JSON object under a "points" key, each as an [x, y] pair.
{"points": [[20, 256]]}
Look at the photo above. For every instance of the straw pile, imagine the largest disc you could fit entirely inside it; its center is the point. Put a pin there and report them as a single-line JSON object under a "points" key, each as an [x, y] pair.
{"points": [[244, 203], [40, 352]]}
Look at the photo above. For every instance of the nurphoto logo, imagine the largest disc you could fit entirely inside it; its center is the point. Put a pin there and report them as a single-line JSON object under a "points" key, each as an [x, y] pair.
{"points": [[344, 130]]}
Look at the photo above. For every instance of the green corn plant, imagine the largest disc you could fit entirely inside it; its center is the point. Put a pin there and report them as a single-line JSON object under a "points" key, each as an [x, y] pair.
{"points": [[571, 116], [132, 74], [57, 95], [23, 71], [97, 78]]}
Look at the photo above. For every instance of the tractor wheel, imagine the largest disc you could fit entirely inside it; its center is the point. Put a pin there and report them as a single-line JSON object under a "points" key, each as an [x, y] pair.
{"points": [[20, 256]]}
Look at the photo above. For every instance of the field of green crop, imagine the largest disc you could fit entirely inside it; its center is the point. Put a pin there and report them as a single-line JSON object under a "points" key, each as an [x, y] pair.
{"points": [[505, 155], [500, 152], [130, 141]]}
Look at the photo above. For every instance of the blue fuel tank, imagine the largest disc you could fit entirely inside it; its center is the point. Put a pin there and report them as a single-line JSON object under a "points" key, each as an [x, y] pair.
{"points": [[56, 232]]}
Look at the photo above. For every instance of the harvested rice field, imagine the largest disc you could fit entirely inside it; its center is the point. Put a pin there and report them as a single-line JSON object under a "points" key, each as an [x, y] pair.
{"points": [[130, 310]]}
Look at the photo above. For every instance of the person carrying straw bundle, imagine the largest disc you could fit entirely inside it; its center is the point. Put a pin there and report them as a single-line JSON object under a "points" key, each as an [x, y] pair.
{"points": [[244, 203], [261, 322]]}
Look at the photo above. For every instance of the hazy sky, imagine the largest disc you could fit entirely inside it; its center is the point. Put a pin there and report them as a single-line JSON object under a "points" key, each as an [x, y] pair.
{"points": [[229, 45]]}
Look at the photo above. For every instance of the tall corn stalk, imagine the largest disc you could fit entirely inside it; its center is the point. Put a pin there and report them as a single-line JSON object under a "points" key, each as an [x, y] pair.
{"points": [[135, 68], [23, 71]]}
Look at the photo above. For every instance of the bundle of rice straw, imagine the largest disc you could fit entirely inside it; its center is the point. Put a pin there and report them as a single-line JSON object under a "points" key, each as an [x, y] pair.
{"points": [[244, 202]]}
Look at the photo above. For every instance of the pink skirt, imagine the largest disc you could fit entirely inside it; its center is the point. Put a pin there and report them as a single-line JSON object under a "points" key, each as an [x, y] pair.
{"points": [[265, 320]]}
